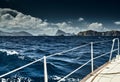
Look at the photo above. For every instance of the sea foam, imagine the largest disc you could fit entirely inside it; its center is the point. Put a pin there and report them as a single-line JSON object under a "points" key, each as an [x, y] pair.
{"points": [[9, 52]]}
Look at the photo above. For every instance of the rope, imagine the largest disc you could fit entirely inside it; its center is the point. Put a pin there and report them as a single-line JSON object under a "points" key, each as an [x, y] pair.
{"points": [[60, 53], [87, 62], [101, 55], [17, 69], [102, 41], [105, 54], [24, 66], [74, 71]]}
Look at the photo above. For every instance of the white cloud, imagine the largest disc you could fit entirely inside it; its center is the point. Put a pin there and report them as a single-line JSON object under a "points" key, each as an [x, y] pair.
{"points": [[11, 20], [63, 24], [81, 19], [96, 26], [117, 23], [67, 27], [6, 17]]}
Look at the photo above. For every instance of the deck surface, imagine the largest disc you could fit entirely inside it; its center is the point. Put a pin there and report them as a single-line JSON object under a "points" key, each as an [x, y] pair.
{"points": [[109, 73]]}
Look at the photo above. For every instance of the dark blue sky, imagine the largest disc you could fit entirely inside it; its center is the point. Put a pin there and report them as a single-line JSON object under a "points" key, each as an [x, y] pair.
{"points": [[57, 10], [71, 16]]}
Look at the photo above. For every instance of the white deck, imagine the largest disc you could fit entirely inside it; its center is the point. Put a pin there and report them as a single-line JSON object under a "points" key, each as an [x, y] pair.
{"points": [[107, 73]]}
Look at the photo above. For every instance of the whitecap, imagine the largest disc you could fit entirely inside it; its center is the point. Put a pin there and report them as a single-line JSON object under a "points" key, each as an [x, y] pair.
{"points": [[57, 78], [9, 52]]}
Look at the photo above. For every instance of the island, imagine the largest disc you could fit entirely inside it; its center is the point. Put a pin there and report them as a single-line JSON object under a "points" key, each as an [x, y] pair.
{"points": [[21, 33], [96, 33]]}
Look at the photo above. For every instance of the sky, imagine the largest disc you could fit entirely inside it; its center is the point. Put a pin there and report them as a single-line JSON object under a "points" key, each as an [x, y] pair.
{"points": [[41, 17]]}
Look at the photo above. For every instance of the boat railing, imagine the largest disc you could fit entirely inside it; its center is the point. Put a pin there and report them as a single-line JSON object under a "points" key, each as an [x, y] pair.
{"points": [[93, 58], [65, 51]]}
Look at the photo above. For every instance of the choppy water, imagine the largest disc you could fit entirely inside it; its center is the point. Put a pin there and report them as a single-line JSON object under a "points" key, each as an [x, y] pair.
{"points": [[18, 51]]}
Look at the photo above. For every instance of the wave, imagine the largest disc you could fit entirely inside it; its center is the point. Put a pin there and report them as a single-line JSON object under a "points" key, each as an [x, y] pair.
{"points": [[9, 52], [16, 79], [38, 51], [56, 78], [7, 55]]}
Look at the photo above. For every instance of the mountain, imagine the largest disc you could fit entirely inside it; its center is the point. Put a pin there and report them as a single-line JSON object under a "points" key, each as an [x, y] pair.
{"points": [[15, 21], [89, 33], [21, 33], [62, 33], [111, 33], [95, 33]]}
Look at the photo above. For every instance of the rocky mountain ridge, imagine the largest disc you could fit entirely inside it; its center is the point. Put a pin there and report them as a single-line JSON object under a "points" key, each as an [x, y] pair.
{"points": [[95, 33]]}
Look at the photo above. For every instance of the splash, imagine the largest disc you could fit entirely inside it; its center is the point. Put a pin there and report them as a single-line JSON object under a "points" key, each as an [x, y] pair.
{"points": [[9, 52]]}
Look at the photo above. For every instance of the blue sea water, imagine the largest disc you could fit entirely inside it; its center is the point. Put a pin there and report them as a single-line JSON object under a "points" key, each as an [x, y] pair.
{"points": [[18, 51]]}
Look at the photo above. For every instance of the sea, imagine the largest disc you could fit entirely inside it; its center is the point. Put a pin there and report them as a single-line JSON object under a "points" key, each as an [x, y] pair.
{"points": [[18, 51]]}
